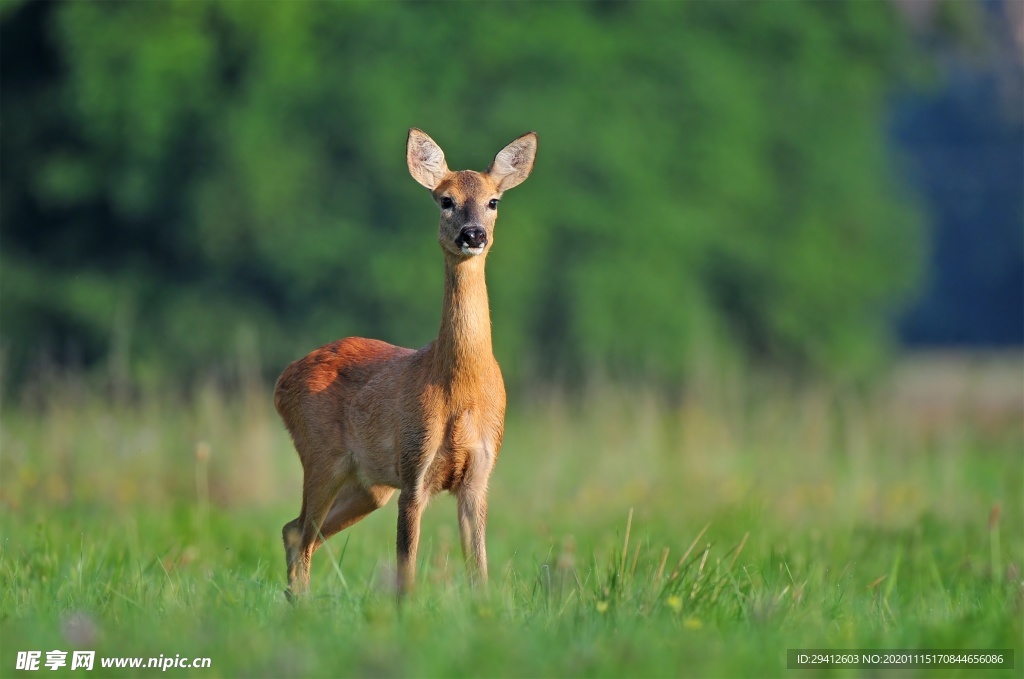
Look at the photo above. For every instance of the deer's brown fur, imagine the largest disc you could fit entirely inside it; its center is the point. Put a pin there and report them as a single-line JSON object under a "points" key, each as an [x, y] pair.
{"points": [[368, 417]]}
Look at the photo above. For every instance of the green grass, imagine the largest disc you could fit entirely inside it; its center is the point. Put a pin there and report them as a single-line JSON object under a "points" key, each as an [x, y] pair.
{"points": [[627, 537]]}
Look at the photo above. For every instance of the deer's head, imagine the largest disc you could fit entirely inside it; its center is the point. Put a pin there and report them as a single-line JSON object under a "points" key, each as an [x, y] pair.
{"points": [[468, 200]]}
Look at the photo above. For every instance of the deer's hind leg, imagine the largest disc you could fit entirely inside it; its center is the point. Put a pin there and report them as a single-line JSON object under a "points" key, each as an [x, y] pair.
{"points": [[353, 503], [320, 486]]}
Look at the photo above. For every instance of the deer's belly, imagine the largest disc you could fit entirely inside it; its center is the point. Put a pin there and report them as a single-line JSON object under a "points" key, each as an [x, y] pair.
{"points": [[376, 462]]}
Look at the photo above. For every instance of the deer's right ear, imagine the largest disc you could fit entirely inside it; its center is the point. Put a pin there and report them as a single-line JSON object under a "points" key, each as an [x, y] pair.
{"points": [[425, 159]]}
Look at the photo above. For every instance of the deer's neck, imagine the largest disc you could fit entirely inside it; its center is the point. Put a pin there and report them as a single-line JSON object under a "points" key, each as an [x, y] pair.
{"points": [[462, 355]]}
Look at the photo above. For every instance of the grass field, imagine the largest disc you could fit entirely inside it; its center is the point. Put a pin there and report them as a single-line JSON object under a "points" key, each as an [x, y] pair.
{"points": [[629, 535]]}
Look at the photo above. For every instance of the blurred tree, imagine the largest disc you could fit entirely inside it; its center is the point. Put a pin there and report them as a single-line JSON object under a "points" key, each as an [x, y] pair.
{"points": [[179, 175], [963, 149]]}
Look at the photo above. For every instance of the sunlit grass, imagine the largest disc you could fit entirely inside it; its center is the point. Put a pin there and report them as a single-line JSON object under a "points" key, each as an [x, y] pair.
{"points": [[629, 536]]}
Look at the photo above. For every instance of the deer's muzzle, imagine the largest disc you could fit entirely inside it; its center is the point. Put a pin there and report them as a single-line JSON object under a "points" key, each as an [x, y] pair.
{"points": [[471, 240]]}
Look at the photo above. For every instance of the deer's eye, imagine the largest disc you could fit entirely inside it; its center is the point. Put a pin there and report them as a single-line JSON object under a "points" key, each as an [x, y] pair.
{"points": [[493, 204], [447, 203]]}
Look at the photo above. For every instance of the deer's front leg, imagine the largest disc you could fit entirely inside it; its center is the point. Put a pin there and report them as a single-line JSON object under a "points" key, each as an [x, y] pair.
{"points": [[472, 530], [472, 498], [418, 448], [410, 509]]}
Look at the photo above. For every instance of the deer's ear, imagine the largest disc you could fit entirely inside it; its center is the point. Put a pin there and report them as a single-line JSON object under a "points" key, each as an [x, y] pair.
{"points": [[513, 163], [425, 159]]}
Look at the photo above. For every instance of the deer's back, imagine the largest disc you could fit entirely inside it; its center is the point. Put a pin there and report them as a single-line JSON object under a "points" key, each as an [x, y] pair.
{"points": [[315, 387]]}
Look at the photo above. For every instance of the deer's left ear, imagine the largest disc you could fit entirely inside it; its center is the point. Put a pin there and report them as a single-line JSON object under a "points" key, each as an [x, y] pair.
{"points": [[513, 163]]}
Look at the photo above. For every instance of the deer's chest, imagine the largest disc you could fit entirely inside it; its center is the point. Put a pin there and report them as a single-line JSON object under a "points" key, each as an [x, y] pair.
{"points": [[468, 450]]}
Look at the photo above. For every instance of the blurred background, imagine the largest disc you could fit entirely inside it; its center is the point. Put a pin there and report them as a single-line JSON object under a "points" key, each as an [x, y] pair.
{"points": [[805, 186], [767, 278]]}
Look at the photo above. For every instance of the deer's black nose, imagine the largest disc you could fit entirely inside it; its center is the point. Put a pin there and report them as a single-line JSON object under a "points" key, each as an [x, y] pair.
{"points": [[471, 237]]}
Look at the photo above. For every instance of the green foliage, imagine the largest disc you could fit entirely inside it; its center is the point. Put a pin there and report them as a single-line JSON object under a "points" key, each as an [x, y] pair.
{"points": [[708, 174]]}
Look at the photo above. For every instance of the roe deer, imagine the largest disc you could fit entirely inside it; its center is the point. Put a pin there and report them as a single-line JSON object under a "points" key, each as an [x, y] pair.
{"points": [[368, 417]]}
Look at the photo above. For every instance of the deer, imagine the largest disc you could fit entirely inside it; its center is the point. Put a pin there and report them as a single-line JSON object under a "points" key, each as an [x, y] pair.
{"points": [[368, 418]]}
